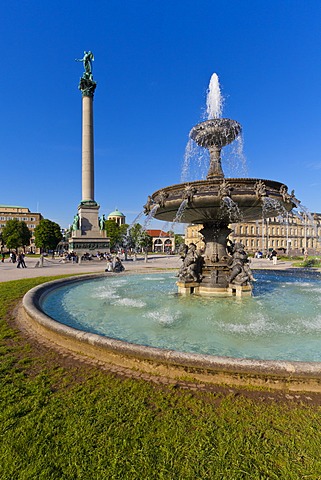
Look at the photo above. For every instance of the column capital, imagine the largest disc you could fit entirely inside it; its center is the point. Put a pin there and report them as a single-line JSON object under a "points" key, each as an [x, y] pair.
{"points": [[87, 86]]}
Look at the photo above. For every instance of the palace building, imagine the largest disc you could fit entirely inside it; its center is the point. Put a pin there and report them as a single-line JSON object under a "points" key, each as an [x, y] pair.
{"points": [[291, 235]]}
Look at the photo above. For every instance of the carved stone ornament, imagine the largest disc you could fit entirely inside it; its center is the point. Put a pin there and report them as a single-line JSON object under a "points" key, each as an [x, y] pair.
{"points": [[161, 198], [294, 199], [189, 193], [87, 87], [260, 189], [148, 205]]}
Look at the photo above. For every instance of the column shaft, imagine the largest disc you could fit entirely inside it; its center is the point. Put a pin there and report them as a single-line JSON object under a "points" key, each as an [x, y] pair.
{"points": [[87, 149]]}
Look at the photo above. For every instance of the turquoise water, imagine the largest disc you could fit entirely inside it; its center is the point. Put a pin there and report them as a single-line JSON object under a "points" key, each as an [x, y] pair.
{"points": [[282, 321]]}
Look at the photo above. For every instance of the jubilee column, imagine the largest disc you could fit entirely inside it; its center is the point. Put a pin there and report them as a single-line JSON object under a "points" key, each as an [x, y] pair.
{"points": [[88, 233]]}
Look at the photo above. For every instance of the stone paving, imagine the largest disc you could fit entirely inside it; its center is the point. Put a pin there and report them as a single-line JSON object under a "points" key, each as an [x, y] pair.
{"points": [[52, 267]]}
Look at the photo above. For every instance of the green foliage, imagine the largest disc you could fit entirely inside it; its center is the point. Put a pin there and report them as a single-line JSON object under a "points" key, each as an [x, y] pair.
{"points": [[74, 422], [310, 262], [116, 233], [139, 238], [16, 234], [47, 235], [179, 240]]}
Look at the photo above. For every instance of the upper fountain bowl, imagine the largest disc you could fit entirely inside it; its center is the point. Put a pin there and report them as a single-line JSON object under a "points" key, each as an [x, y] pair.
{"points": [[217, 131]]}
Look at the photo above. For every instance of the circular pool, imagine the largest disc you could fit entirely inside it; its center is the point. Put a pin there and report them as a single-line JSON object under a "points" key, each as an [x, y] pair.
{"points": [[282, 321], [138, 322]]}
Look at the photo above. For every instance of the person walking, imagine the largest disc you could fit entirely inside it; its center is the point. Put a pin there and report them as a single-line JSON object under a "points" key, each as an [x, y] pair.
{"points": [[21, 261], [2, 257]]}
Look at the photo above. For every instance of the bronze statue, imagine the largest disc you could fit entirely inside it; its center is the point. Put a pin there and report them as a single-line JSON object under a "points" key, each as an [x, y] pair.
{"points": [[87, 60], [102, 221], [75, 223]]}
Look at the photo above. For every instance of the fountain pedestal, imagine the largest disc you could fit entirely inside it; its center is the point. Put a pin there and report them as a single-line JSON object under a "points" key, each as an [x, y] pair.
{"points": [[216, 267]]}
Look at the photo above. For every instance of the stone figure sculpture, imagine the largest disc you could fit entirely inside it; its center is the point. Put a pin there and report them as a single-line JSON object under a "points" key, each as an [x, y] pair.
{"points": [[240, 270], [149, 205], [192, 264]]}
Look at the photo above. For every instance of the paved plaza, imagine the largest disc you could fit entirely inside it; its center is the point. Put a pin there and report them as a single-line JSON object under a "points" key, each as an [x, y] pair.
{"points": [[52, 267]]}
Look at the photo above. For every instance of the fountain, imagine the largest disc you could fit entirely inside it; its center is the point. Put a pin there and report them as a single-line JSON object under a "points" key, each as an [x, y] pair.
{"points": [[215, 203], [139, 321]]}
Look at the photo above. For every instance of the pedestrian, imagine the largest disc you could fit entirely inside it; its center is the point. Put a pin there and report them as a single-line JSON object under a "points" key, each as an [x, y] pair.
{"points": [[2, 257], [274, 257], [21, 261]]}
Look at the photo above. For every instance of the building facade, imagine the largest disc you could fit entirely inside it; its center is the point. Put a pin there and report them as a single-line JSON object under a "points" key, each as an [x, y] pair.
{"points": [[163, 242], [22, 214], [292, 235]]}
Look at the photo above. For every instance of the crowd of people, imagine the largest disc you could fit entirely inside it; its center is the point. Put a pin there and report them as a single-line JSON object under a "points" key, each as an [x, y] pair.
{"points": [[114, 263], [15, 258], [272, 255]]}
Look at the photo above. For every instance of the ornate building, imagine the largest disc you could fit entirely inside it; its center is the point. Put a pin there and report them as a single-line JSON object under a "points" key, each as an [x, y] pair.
{"points": [[118, 217], [291, 235], [22, 214]]}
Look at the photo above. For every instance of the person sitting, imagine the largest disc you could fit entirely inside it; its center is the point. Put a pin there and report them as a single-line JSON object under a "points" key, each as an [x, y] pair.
{"points": [[117, 265]]}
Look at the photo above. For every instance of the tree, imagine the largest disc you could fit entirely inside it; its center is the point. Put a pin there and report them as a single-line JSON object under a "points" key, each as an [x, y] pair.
{"points": [[16, 234], [113, 233], [139, 238], [47, 235], [145, 241], [179, 240]]}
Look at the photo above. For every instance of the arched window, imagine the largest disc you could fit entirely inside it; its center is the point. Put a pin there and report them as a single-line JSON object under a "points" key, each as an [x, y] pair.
{"points": [[158, 245], [168, 247]]}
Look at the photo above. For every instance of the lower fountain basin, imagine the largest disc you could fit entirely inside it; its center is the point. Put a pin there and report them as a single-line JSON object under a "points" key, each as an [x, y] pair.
{"points": [[204, 200], [281, 321], [292, 338]]}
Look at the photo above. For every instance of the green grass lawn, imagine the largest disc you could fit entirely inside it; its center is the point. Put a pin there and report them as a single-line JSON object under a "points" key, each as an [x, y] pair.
{"points": [[60, 419]]}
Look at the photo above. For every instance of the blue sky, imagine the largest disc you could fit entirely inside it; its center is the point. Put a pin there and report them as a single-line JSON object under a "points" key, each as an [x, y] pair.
{"points": [[153, 63]]}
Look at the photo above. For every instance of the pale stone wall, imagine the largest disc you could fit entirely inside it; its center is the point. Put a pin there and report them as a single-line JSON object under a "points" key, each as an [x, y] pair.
{"points": [[292, 234]]}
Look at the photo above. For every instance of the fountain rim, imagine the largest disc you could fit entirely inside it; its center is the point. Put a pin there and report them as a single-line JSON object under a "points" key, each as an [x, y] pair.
{"points": [[218, 181], [92, 345], [220, 122]]}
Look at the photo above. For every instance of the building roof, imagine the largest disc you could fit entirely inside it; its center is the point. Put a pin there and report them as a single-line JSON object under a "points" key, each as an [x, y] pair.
{"points": [[13, 206], [158, 233], [116, 213]]}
